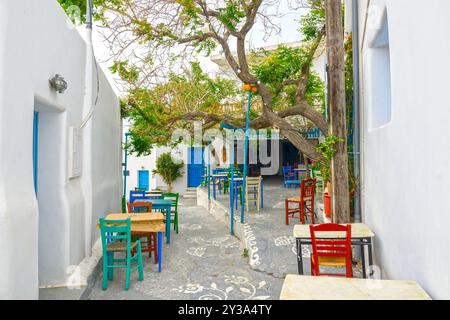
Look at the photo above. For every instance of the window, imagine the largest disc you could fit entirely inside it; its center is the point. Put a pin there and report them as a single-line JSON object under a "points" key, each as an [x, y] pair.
{"points": [[379, 77]]}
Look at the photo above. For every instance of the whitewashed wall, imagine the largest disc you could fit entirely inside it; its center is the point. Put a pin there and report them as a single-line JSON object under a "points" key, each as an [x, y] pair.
{"points": [[136, 163], [39, 240], [406, 156]]}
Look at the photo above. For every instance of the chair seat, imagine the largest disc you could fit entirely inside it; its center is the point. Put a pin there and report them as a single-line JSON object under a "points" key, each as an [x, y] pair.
{"points": [[119, 246], [331, 261], [298, 199]]}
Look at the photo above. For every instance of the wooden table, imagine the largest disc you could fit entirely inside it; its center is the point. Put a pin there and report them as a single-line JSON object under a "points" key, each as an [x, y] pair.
{"points": [[145, 222], [361, 236], [332, 288], [295, 183]]}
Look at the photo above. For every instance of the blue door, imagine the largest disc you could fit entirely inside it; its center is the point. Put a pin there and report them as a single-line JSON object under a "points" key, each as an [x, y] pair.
{"points": [[143, 179], [35, 150], [196, 164]]}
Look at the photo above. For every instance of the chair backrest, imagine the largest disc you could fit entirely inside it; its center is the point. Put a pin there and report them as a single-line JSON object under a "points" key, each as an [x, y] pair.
{"points": [[115, 230], [139, 207], [137, 195], [253, 183], [316, 173], [324, 245], [287, 171], [220, 170], [172, 196], [307, 188]]}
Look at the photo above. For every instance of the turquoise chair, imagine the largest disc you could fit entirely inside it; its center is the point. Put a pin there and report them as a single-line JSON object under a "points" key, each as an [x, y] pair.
{"points": [[116, 237]]}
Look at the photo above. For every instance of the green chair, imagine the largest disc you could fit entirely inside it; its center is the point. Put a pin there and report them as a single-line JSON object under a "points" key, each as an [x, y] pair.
{"points": [[174, 214], [116, 237], [316, 174]]}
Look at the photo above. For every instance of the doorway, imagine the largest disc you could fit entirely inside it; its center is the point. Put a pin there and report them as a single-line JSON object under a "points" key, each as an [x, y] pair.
{"points": [[196, 165], [49, 182], [143, 180]]}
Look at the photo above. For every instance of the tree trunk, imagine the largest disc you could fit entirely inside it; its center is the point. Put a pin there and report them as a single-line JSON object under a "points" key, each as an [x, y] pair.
{"points": [[336, 74]]}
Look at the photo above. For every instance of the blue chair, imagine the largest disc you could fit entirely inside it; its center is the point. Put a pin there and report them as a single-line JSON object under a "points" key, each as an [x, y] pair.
{"points": [[137, 195], [288, 175], [116, 237]]}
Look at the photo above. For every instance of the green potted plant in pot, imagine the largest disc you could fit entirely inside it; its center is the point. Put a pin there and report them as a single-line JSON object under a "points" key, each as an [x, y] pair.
{"points": [[169, 169]]}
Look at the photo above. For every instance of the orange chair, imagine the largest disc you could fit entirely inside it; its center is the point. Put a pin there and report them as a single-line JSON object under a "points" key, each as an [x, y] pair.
{"points": [[139, 207], [329, 251], [305, 202], [150, 245]]}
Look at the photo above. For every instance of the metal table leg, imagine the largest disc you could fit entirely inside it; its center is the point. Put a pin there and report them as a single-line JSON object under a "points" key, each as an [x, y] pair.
{"points": [[160, 241], [363, 259], [370, 253], [299, 256]]}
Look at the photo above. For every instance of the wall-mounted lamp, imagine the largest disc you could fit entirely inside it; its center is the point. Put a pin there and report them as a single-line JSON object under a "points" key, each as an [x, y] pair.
{"points": [[58, 83]]}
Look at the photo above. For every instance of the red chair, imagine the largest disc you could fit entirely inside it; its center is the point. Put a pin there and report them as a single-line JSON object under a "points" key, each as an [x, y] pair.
{"points": [[151, 244], [139, 207], [331, 252], [304, 204]]}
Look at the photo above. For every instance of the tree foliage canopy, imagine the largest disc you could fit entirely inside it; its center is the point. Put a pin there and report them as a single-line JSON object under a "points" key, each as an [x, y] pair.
{"points": [[159, 111], [140, 32]]}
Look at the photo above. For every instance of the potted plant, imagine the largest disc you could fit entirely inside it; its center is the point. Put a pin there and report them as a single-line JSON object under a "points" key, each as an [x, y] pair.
{"points": [[168, 169]]}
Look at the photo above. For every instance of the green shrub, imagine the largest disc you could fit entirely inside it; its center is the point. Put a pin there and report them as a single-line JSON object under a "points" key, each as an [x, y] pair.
{"points": [[168, 169]]}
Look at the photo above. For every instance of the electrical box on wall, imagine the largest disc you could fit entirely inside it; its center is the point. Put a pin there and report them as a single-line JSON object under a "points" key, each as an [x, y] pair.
{"points": [[75, 152]]}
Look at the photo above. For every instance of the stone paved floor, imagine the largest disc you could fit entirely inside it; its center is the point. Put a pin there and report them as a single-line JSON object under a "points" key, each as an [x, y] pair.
{"points": [[275, 245], [275, 251], [202, 262]]}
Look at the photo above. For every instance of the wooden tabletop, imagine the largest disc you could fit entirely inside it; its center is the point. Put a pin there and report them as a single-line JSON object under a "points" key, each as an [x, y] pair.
{"points": [[297, 287], [155, 226], [359, 230], [137, 217]]}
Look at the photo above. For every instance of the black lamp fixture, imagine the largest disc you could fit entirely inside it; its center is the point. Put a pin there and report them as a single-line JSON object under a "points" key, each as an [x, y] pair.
{"points": [[58, 83]]}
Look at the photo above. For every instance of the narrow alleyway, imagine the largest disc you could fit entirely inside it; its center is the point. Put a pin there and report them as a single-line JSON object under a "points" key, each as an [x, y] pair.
{"points": [[202, 262]]}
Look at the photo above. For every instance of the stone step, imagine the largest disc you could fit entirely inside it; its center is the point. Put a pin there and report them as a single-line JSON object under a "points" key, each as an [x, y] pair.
{"points": [[190, 193]]}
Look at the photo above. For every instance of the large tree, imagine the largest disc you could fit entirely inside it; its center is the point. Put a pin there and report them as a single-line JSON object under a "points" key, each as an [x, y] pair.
{"points": [[140, 31], [200, 24], [338, 118]]}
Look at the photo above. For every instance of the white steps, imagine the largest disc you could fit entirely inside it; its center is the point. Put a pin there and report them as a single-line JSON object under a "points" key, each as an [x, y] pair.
{"points": [[191, 193]]}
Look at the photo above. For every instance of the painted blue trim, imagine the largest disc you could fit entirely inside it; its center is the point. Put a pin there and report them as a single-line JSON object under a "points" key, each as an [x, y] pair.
{"points": [[35, 150]]}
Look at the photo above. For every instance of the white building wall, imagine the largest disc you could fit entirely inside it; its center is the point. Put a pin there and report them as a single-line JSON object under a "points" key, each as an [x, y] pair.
{"points": [[40, 238], [406, 170], [136, 163]]}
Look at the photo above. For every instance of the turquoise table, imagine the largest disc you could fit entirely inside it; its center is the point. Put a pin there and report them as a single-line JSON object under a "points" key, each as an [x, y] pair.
{"points": [[162, 205], [295, 183]]}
